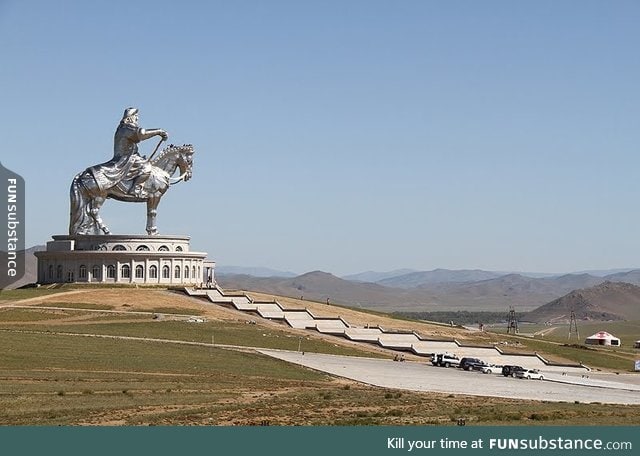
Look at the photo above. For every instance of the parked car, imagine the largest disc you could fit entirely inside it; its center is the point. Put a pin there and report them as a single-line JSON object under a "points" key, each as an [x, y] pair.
{"points": [[511, 371], [530, 374], [470, 363], [490, 368], [445, 360]]}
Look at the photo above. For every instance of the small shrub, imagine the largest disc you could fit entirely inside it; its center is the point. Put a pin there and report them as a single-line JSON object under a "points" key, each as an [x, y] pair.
{"points": [[513, 417]]}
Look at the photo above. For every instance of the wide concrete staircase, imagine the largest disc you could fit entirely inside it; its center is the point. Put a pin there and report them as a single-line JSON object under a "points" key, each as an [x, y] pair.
{"points": [[408, 341]]}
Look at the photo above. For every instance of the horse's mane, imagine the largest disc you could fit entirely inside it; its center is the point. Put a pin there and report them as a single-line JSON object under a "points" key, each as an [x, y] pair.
{"points": [[171, 149]]}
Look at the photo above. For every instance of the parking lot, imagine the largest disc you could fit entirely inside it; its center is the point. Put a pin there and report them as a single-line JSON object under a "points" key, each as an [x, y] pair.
{"points": [[417, 376]]}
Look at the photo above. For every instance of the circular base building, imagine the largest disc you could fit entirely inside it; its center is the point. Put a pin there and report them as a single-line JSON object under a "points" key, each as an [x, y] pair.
{"points": [[123, 259]]}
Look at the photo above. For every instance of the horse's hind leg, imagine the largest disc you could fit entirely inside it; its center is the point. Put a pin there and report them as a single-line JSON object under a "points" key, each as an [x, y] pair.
{"points": [[96, 204]]}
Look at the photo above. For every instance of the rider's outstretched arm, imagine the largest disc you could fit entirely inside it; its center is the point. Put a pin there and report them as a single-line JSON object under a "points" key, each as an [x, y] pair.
{"points": [[150, 133]]}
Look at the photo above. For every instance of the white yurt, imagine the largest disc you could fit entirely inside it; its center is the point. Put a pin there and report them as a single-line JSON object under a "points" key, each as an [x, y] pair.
{"points": [[602, 338]]}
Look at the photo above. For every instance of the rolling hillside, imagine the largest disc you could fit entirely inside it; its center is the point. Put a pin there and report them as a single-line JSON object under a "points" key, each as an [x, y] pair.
{"points": [[606, 301], [495, 294]]}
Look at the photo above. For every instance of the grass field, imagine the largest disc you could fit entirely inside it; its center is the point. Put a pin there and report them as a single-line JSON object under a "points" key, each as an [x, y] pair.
{"points": [[553, 341], [49, 377], [627, 331], [12, 295]]}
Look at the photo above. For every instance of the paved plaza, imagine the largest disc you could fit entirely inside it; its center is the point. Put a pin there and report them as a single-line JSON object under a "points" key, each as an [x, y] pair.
{"points": [[417, 376]]}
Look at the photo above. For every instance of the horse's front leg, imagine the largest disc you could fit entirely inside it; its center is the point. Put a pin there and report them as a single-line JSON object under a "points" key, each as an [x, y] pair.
{"points": [[97, 203], [152, 211]]}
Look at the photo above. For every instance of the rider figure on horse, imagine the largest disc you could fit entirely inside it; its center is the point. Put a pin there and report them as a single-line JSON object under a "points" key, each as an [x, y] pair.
{"points": [[127, 167], [126, 177]]}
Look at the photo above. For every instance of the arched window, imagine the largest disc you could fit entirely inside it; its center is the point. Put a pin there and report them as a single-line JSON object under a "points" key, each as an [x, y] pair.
{"points": [[111, 272], [96, 272], [59, 272], [139, 272], [163, 248], [142, 248], [153, 272], [176, 272], [179, 249], [51, 271], [193, 272], [186, 272], [119, 247], [166, 272], [125, 271], [82, 273]]}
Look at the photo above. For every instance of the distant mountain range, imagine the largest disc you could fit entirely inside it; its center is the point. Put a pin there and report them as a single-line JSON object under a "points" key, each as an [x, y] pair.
{"points": [[591, 296], [491, 294], [254, 271], [372, 276], [409, 278], [421, 278]]}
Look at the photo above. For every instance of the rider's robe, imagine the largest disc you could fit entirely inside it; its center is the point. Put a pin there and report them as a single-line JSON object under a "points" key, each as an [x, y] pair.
{"points": [[126, 163]]}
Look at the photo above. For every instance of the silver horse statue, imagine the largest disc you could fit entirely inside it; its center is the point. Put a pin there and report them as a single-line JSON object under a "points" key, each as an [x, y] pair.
{"points": [[88, 194]]}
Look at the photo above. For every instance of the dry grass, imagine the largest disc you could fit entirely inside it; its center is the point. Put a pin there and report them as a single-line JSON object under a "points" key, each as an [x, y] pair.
{"points": [[48, 377]]}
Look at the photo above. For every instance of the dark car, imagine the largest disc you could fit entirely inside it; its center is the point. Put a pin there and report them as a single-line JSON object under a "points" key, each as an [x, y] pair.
{"points": [[511, 371], [471, 363]]}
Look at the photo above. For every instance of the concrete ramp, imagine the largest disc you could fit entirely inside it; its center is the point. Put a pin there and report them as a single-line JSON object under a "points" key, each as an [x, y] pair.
{"points": [[300, 319], [363, 334], [428, 347], [239, 304], [398, 341], [213, 294], [331, 326], [478, 352], [270, 310]]}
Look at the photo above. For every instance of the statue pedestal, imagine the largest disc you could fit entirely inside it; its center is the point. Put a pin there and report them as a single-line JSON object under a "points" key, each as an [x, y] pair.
{"points": [[123, 259]]}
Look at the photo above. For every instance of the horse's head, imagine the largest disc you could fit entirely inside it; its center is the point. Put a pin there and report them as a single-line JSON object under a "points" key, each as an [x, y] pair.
{"points": [[173, 157], [185, 160]]}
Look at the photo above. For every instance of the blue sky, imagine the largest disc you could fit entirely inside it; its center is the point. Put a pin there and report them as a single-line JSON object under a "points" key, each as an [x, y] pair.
{"points": [[344, 136]]}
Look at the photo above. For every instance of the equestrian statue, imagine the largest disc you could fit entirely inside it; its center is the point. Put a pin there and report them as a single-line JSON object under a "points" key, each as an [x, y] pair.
{"points": [[127, 177]]}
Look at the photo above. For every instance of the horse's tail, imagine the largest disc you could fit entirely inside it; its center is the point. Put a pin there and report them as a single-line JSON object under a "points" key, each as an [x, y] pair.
{"points": [[80, 216]]}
